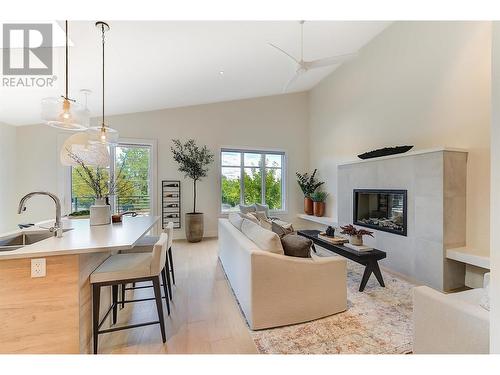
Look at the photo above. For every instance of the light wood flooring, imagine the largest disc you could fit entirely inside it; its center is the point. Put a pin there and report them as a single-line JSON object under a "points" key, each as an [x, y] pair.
{"points": [[205, 317]]}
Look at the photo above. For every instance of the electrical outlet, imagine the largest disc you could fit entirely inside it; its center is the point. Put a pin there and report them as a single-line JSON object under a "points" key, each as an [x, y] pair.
{"points": [[38, 267]]}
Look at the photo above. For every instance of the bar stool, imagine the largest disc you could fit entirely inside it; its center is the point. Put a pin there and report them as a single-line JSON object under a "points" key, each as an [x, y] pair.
{"points": [[145, 245], [130, 268]]}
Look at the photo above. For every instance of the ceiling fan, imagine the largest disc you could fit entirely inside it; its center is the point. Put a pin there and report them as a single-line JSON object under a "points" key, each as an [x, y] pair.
{"points": [[304, 66]]}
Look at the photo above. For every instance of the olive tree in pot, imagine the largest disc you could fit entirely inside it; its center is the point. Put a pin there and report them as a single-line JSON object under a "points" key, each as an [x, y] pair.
{"points": [[193, 162]]}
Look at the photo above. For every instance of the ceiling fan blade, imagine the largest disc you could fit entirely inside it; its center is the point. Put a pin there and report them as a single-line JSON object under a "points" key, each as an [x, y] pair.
{"points": [[283, 51], [329, 61], [292, 80]]}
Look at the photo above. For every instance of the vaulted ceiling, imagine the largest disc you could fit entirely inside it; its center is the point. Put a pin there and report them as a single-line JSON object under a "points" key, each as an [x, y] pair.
{"points": [[164, 64]]}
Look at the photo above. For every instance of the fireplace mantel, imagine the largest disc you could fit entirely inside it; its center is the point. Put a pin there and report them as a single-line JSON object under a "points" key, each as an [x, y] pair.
{"points": [[406, 154]]}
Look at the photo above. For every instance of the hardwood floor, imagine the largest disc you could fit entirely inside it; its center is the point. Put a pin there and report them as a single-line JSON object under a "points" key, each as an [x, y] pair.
{"points": [[205, 317]]}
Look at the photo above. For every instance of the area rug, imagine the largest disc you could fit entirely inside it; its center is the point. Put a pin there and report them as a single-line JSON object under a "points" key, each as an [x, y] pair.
{"points": [[377, 321]]}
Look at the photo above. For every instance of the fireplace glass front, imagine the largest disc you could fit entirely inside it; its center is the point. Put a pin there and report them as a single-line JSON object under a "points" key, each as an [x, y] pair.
{"points": [[383, 210]]}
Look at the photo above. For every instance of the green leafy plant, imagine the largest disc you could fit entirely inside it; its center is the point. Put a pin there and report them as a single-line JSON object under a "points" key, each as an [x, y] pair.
{"points": [[80, 213], [193, 161], [351, 230], [308, 184], [319, 196]]}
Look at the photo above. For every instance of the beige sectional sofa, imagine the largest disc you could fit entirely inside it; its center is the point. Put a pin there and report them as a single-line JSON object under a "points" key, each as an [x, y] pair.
{"points": [[454, 323], [274, 289]]}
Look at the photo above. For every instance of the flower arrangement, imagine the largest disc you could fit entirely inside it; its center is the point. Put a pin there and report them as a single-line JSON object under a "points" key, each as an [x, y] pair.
{"points": [[351, 230], [97, 178], [355, 235]]}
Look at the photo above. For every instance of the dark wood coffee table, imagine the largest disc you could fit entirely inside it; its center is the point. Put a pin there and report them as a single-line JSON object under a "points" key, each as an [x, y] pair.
{"points": [[367, 258]]}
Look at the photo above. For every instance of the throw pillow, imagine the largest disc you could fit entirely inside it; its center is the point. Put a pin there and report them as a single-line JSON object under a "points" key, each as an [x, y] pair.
{"points": [[235, 219], [247, 209], [296, 246], [262, 207], [264, 239], [259, 215], [281, 230], [249, 217], [266, 224]]}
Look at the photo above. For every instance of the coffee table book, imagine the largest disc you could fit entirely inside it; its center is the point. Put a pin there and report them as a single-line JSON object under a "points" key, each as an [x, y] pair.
{"points": [[333, 240]]}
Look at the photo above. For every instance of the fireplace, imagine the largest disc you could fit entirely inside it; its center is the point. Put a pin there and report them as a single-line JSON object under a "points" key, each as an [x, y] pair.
{"points": [[383, 210]]}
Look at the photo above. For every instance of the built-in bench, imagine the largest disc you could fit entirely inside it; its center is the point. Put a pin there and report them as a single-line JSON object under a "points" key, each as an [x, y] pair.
{"points": [[475, 265]]}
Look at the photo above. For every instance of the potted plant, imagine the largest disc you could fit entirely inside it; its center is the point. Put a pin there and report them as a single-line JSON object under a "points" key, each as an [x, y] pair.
{"points": [[193, 162], [319, 198], [355, 235], [97, 180], [308, 185]]}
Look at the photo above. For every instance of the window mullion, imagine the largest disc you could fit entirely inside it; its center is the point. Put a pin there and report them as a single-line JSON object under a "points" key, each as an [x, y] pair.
{"points": [[242, 182], [263, 178], [112, 154]]}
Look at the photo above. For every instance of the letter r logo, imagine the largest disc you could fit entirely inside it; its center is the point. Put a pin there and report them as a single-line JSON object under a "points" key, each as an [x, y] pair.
{"points": [[35, 40]]}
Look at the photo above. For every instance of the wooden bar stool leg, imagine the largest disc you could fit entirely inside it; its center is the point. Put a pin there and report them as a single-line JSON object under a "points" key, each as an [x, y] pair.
{"points": [[167, 273], [171, 261], [123, 294], [96, 299], [159, 306], [114, 290], [164, 272]]}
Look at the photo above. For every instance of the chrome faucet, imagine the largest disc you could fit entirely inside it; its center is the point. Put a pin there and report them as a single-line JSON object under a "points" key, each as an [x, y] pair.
{"points": [[57, 228]]}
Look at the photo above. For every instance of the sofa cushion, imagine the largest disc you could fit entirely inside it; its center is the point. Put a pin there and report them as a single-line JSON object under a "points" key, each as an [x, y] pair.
{"points": [[262, 207], [263, 238], [281, 228], [235, 219], [259, 215], [266, 224], [250, 217], [296, 246], [247, 209]]}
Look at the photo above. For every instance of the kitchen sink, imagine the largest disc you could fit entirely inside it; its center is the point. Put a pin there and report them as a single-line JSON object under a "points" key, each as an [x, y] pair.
{"points": [[22, 239]]}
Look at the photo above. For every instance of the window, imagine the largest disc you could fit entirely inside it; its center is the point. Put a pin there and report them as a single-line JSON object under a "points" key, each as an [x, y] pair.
{"points": [[249, 177], [130, 170]]}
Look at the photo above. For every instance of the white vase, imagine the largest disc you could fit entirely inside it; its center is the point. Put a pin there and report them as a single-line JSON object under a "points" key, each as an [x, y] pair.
{"points": [[100, 213]]}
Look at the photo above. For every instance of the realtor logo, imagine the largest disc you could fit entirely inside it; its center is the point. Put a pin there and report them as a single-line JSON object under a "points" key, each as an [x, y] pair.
{"points": [[35, 40]]}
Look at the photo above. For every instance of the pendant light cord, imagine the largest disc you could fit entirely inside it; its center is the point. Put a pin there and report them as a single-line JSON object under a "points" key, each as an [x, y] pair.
{"points": [[103, 40], [67, 61]]}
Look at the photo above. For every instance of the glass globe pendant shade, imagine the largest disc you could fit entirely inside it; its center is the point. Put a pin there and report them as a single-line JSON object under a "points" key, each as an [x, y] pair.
{"points": [[64, 114], [78, 147], [103, 135]]}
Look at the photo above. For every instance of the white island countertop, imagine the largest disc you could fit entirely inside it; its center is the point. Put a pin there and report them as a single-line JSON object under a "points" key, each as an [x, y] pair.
{"points": [[79, 238]]}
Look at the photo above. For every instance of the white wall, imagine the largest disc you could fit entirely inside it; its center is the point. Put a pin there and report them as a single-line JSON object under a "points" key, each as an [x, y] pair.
{"points": [[7, 177], [276, 122], [495, 199], [420, 83]]}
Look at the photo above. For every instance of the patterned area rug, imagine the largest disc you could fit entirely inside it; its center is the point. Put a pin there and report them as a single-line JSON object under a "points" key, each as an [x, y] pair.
{"points": [[377, 321]]}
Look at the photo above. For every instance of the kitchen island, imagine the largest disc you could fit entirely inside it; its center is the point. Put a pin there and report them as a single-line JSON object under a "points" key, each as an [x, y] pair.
{"points": [[52, 314]]}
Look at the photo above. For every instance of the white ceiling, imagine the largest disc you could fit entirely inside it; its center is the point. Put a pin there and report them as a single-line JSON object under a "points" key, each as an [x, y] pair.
{"points": [[164, 64]]}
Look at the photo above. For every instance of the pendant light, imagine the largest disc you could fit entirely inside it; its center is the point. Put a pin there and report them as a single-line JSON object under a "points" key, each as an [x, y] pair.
{"points": [[64, 113], [103, 134], [92, 154]]}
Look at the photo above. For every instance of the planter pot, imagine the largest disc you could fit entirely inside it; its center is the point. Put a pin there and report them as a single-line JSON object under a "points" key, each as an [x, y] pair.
{"points": [[308, 206], [100, 213], [319, 208], [356, 240], [194, 226]]}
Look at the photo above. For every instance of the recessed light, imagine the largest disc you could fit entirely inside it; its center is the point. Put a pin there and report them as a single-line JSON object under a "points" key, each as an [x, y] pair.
{"points": [[221, 72]]}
